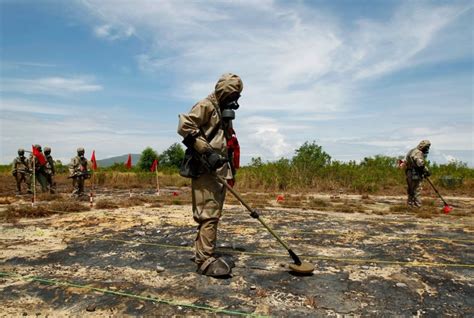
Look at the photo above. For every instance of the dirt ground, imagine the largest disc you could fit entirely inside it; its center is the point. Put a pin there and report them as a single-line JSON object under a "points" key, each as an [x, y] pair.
{"points": [[137, 261]]}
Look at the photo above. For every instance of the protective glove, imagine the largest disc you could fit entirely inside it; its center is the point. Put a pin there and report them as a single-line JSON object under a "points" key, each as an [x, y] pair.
{"points": [[426, 172], [215, 160]]}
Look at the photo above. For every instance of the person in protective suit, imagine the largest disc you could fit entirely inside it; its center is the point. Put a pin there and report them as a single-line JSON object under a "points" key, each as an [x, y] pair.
{"points": [[206, 130], [415, 171], [78, 172], [49, 170], [21, 171], [39, 170]]}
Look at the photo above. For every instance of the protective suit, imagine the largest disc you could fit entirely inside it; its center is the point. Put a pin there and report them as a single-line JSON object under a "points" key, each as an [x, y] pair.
{"points": [[209, 135], [21, 170], [50, 170], [415, 171], [39, 171], [78, 172]]}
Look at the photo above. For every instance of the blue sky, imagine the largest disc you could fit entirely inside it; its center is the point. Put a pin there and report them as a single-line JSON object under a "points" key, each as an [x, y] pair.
{"points": [[359, 77]]}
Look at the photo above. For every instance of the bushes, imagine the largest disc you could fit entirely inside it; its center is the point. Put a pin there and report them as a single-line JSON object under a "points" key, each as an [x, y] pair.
{"points": [[312, 169]]}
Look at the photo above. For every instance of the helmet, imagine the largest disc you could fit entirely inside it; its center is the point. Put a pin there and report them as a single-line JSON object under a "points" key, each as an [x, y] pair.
{"points": [[47, 150], [80, 151], [38, 147], [21, 152], [424, 144]]}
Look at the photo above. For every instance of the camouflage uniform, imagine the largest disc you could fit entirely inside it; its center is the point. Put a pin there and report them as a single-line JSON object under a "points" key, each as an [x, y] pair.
{"points": [[415, 171], [21, 171], [50, 170], [39, 171], [79, 172], [210, 133]]}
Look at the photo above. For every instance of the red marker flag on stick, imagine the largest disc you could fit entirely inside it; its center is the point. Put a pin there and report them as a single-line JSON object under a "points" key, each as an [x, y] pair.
{"points": [[128, 164], [154, 166], [39, 155], [94, 162]]}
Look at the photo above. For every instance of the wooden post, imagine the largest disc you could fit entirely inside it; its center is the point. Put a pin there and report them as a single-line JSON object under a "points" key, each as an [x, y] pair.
{"points": [[34, 181], [157, 182]]}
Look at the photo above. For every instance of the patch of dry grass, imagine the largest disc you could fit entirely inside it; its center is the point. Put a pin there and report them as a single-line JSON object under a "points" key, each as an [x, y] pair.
{"points": [[316, 203], [4, 200], [129, 202], [398, 208], [67, 206], [48, 197], [105, 204], [12, 213]]}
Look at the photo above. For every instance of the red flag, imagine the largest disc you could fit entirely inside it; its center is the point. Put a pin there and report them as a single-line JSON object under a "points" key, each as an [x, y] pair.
{"points": [[39, 155], [94, 162], [128, 164], [154, 166], [234, 148]]}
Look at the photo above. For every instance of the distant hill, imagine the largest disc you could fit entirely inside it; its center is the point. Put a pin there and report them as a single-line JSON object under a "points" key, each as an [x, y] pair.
{"points": [[120, 159]]}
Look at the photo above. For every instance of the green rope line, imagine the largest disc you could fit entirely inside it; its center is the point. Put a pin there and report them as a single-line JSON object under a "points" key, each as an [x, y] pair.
{"points": [[125, 294], [321, 258]]}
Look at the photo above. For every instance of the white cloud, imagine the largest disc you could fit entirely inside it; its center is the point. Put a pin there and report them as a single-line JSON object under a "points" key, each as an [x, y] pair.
{"points": [[64, 127], [58, 86], [26, 106], [109, 32], [382, 47]]}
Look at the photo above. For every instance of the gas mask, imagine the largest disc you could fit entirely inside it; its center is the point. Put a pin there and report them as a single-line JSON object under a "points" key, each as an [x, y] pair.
{"points": [[425, 152], [229, 105]]}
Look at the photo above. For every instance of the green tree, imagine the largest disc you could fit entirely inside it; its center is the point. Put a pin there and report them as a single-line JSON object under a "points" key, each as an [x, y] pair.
{"points": [[308, 163], [310, 156], [146, 159], [172, 156]]}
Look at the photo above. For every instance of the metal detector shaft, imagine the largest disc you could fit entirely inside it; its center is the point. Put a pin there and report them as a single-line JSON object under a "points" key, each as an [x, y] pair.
{"points": [[434, 188], [255, 215]]}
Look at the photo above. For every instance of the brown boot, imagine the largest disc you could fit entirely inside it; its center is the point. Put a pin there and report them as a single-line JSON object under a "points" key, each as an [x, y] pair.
{"points": [[215, 267]]}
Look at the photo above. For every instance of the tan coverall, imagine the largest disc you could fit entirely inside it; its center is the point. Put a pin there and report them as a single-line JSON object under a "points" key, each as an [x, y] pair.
{"points": [[39, 174], [208, 194], [78, 172], [50, 172], [415, 164], [21, 172]]}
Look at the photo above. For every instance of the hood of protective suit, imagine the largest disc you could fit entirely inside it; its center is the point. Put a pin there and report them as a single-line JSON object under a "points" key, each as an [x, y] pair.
{"points": [[424, 144], [226, 85]]}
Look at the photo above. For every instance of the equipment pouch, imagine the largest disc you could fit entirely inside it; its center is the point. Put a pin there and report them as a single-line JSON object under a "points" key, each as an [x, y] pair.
{"points": [[414, 174], [190, 167]]}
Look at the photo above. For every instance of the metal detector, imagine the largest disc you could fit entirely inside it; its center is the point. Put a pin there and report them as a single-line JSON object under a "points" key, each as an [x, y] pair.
{"points": [[447, 208]]}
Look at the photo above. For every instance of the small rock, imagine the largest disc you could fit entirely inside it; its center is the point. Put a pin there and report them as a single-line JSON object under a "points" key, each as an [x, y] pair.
{"points": [[180, 308], [253, 287], [160, 269], [183, 244], [365, 267], [140, 233], [91, 308], [401, 285]]}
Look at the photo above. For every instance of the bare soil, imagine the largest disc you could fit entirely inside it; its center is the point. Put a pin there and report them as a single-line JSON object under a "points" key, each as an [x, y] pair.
{"points": [[372, 258]]}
